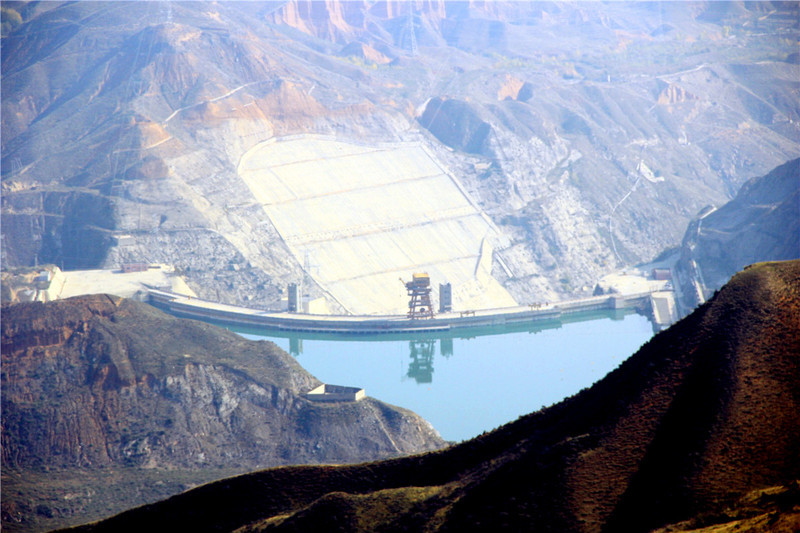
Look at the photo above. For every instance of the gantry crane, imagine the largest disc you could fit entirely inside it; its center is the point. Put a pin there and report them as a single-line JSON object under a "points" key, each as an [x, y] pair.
{"points": [[419, 292]]}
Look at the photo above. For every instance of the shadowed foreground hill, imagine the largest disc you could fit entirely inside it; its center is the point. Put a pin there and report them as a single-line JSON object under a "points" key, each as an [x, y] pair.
{"points": [[703, 415], [109, 403]]}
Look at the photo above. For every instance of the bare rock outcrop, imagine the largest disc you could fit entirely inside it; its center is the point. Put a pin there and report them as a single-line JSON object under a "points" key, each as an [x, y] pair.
{"points": [[101, 380], [457, 124]]}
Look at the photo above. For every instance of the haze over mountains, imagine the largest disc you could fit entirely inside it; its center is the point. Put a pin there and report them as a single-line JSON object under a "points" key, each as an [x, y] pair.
{"points": [[698, 428], [588, 134]]}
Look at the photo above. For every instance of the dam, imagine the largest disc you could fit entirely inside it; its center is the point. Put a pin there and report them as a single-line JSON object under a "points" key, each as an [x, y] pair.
{"points": [[189, 307], [464, 372]]}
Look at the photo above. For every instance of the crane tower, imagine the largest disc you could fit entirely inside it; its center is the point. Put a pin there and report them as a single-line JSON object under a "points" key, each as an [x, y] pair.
{"points": [[419, 292]]}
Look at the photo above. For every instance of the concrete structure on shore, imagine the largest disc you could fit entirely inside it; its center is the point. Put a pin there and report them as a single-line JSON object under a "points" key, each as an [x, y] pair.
{"points": [[48, 282], [665, 312], [335, 393]]}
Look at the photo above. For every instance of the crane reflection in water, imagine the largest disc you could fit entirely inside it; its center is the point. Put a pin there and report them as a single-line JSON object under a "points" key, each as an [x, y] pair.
{"points": [[420, 367], [421, 355]]}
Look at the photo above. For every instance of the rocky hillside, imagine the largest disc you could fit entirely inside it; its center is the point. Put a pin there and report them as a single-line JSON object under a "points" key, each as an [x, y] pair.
{"points": [[700, 427], [97, 384], [590, 133], [762, 223]]}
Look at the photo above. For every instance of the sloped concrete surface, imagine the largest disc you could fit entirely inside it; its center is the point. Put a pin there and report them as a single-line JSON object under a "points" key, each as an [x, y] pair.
{"points": [[359, 217]]}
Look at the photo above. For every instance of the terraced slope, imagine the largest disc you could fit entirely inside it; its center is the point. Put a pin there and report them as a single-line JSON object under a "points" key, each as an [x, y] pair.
{"points": [[361, 216]]}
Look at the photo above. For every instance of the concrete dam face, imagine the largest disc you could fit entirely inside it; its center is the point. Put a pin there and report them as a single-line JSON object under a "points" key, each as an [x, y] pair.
{"points": [[363, 216]]}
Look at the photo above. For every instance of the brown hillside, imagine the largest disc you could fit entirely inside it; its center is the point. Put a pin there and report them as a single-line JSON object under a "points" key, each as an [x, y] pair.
{"points": [[702, 415], [98, 384]]}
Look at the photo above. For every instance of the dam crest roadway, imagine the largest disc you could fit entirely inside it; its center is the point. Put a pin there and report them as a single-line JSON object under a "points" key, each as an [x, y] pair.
{"points": [[243, 317]]}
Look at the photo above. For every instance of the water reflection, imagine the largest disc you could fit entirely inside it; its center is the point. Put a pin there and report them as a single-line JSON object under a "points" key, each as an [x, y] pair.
{"points": [[446, 347], [421, 355], [295, 346], [421, 365], [519, 367], [422, 346]]}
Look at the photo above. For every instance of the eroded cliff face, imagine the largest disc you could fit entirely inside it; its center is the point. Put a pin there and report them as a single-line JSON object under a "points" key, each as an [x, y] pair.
{"points": [[101, 381]]}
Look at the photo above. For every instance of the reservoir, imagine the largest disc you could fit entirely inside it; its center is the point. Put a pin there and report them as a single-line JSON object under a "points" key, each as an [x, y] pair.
{"points": [[471, 381]]}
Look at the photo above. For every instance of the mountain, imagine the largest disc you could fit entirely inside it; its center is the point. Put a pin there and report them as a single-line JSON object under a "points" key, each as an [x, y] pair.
{"points": [[118, 404], [762, 223], [587, 135], [700, 427]]}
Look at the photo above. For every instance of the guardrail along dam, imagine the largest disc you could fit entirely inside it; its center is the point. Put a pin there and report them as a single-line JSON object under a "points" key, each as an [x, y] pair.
{"points": [[365, 215]]}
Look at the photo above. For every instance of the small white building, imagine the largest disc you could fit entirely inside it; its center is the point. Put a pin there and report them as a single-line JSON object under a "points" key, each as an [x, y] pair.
{"points": [[335, 393]]}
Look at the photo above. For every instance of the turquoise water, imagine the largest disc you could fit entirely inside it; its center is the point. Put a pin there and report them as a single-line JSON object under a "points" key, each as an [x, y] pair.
{"points": [[464, 385]]}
